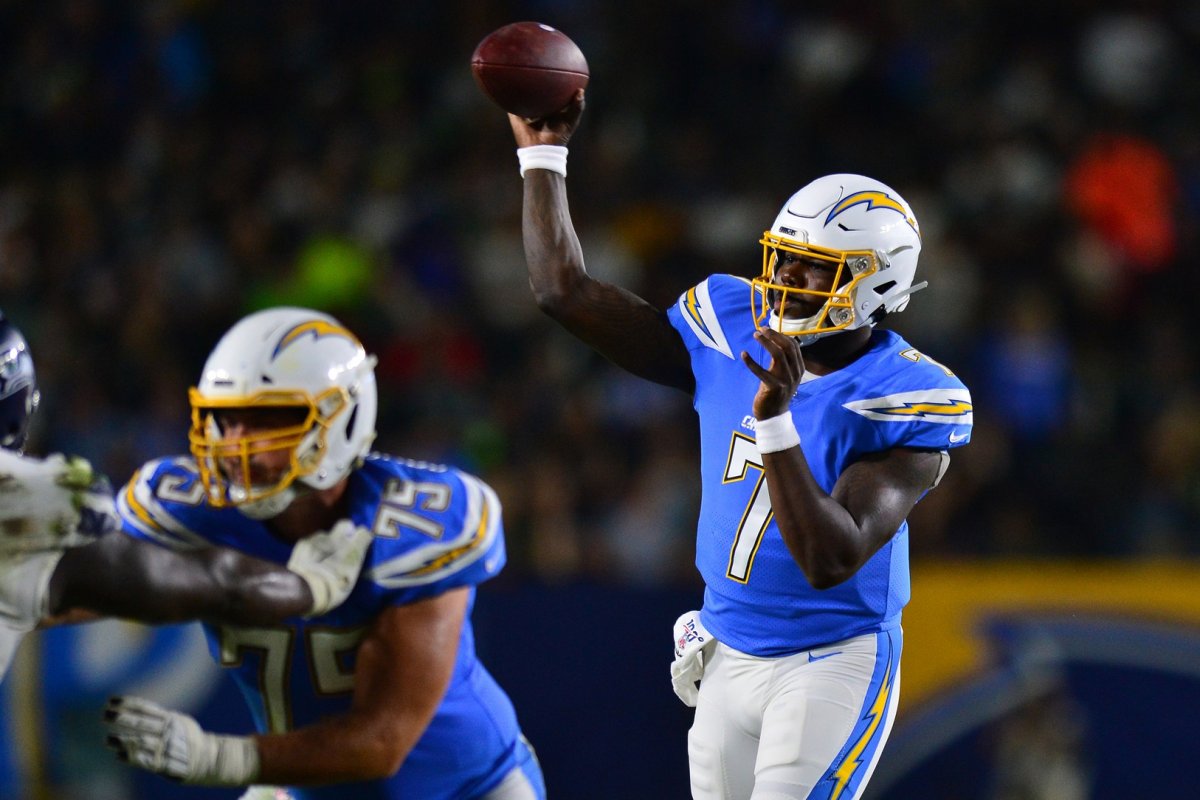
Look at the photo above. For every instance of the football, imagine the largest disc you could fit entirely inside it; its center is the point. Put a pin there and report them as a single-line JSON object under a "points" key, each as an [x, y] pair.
{"points": [[529, 69]]}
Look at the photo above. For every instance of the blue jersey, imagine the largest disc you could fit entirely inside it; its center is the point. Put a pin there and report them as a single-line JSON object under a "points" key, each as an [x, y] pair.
{"points": [[436, 528], [756, 598]]}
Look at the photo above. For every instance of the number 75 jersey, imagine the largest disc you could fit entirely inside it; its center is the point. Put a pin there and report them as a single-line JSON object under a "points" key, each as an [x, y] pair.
{"points": [[436, 528], [757, 599]]}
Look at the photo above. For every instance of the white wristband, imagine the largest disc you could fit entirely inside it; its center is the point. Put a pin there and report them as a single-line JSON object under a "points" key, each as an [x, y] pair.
{"points": [[232, 761], [776, 433], [543, 156]]}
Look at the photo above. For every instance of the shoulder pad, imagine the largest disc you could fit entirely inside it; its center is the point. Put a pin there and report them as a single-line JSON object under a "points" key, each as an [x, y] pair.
{"points": [[157, 500], [473, 529], [703, 306]]}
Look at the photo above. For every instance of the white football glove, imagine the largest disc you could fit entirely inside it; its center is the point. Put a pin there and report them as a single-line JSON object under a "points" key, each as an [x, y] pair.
{"points": [[171, 744], [693, 644], [330, 563], [52, 503]]}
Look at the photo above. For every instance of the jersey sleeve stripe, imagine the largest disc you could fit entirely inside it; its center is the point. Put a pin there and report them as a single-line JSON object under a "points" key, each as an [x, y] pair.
{"points": [[433, 562], [696, 308], [141, 509], [131, 510], [458, 552]]}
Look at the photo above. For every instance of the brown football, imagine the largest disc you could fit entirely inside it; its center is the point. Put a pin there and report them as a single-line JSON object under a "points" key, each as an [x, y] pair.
{"points": [[529, 69]]}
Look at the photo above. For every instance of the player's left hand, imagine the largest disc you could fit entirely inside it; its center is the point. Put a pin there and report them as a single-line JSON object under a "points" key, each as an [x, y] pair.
{"points": [[172, 744], [781, 378], [52, 503]]}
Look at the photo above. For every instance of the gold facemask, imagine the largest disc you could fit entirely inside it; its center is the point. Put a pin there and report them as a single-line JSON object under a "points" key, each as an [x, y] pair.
{"points": [[216, 455], [837, 310]]}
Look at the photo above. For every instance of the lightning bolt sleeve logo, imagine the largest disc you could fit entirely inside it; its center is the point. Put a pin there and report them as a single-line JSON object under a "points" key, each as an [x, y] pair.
{"points": [[943, 406]]}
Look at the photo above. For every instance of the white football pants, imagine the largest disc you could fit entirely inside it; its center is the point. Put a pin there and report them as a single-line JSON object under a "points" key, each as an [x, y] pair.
{"points": [[808, 726], [24, 582]]}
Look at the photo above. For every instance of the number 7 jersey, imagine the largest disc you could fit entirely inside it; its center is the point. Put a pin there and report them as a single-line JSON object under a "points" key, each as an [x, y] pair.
{"points": [[756, 598], [436, 528]]}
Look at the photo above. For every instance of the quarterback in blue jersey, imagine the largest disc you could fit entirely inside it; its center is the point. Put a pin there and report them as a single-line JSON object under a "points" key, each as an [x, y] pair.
{"points": [[819, 433], [382, 697]]}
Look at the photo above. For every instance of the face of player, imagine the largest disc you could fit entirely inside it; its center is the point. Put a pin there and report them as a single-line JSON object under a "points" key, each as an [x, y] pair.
{"points": [[797, 271], [267, 435]]}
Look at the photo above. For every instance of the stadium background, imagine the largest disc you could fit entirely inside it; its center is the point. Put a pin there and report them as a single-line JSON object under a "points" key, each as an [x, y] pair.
{"points": [[168, 166]]}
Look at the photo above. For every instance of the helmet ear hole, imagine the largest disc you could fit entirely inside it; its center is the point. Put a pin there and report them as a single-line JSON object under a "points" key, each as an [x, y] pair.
{"points": [[884, 288], [350, 422]]}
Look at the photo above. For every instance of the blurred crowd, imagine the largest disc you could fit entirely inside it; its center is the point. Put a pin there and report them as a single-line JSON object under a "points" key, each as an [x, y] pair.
{"points": [[168, 166]]}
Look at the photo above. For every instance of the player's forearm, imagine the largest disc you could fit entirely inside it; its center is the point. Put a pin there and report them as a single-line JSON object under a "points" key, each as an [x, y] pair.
{"points": [[345, 748], [122, 577], [114, 576], [615, 322], [403, 669], [352, 747], [250, 591], [552, 250], [823, 537]]}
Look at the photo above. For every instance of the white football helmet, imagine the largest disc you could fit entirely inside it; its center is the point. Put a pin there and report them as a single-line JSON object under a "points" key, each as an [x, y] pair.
{"points": [[284, 358], [867, 230]]}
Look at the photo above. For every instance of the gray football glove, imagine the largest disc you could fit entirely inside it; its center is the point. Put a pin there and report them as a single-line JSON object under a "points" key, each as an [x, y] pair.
{"points": [[330, 562], [173, 745]]}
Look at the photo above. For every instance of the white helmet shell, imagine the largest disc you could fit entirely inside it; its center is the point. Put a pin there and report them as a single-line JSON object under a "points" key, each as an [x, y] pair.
{"points": [[868, 229], [286, 357]]}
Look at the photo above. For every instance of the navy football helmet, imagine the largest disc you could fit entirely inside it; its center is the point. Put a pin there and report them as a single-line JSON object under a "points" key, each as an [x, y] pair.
{"points": [[18, 387]]}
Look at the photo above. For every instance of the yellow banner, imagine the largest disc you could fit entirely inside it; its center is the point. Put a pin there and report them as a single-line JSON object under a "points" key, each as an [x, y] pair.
{"points": [[943, 641]]}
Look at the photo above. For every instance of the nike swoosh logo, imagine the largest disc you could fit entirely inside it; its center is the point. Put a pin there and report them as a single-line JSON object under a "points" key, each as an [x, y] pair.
{"points": [[955, 438], [812, 658]]}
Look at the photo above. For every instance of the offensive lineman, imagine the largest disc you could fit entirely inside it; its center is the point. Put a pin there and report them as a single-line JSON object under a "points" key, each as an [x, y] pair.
{"points": [[809, 465], [383, 696], [59, 551]]}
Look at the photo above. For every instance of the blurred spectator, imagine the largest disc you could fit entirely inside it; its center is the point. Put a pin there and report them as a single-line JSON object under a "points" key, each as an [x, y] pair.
{"points": [[1124, 189]]}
